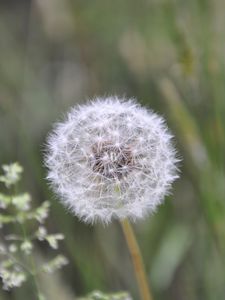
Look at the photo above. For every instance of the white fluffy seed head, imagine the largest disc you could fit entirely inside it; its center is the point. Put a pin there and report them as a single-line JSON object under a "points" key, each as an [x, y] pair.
{"points": [[110, 159]]}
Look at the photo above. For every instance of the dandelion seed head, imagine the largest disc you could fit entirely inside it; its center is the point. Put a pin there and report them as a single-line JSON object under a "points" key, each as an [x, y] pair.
{"points": [[111, 158]]}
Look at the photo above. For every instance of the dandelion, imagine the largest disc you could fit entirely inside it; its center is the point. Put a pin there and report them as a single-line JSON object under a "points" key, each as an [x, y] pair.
{"points": [[111, 158]]}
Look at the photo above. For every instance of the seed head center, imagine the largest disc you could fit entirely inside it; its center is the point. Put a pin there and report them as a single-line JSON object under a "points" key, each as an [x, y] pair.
{"points": [[111, 160]]}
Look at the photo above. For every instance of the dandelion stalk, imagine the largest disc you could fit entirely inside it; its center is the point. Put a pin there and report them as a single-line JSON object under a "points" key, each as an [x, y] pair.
{"points": [[112, 159], [137, 260]]}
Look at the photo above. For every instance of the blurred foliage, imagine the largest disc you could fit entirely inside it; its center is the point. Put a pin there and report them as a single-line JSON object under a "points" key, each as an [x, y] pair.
{"points": [[170, 55], [17, 247], [96, 295]]}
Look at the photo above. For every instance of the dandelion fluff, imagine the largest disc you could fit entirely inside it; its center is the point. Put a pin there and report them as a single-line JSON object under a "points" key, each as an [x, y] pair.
{"points": [[111, 158]]}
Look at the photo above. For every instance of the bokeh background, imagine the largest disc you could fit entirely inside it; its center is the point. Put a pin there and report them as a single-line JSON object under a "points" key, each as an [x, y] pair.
{"points": [[170, 55]]}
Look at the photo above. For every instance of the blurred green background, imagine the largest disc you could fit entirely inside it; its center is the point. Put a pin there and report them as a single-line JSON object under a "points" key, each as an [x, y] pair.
{"points": [[170, 55]]}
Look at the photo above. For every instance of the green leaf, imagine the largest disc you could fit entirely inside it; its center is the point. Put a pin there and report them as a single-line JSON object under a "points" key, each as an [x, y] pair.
{"points": [[173, 248]]}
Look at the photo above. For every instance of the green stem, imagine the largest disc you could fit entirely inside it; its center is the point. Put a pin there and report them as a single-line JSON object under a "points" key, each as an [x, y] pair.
{"points": [[137, 260], [33, 270]]}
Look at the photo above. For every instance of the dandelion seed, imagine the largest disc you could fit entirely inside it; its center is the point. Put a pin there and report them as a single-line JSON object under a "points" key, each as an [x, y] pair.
{"points": [[111, 158]]}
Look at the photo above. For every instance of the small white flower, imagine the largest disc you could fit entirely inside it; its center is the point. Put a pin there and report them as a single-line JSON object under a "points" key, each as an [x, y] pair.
{"points": [[26, 247], [55, 264], [13, 248], [111, 158], [13, 278]]}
